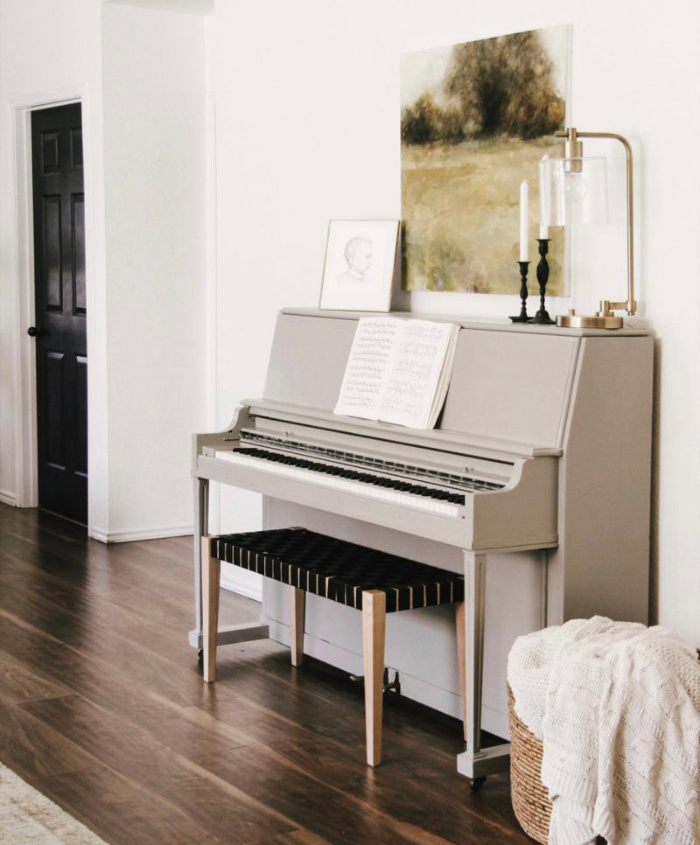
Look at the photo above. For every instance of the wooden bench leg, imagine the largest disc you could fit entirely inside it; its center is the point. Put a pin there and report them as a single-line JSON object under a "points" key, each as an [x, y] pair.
{"points": [[297, 625], [373, 637], [459, 625], [211, 570]]}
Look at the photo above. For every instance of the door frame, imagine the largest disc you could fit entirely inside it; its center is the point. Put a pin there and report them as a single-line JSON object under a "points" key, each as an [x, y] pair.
{"points": [[26, 469]]}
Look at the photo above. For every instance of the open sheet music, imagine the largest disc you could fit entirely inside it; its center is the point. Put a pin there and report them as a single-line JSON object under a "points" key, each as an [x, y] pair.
{"points": [[398, 371]]}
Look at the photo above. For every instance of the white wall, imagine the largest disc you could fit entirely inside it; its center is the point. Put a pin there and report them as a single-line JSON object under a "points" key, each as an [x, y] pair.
{"points": [[154, 131], [307, 130]]}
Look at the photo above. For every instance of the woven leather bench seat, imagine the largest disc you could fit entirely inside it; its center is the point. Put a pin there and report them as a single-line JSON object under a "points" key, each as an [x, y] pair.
{"points": [[373, 582], [338, 570]]}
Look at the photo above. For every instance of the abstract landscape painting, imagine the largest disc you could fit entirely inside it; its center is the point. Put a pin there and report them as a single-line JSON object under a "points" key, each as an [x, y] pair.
{"points": [[476, 119]]}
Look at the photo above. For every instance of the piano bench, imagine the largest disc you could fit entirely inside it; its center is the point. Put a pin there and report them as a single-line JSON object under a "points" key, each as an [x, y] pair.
{"points": [[374, 582]]}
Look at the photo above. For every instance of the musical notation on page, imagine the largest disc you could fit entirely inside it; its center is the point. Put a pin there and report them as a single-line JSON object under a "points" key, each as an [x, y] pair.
{"points": [[398, 371]]}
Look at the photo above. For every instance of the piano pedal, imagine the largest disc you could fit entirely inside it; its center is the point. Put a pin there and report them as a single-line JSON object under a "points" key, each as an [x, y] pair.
{"points": [[395, 684], [388, 686]]}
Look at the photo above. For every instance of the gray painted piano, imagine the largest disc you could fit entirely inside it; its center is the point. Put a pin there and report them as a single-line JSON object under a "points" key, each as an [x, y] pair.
{"points": [[544, 447]]}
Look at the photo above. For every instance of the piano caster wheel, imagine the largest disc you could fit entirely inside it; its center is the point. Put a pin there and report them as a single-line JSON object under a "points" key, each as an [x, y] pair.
{"points": [[200, 655], [477, 783]]}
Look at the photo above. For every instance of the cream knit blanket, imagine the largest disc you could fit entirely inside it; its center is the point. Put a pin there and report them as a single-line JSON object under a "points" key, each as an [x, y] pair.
{"points": [[617, 706]]}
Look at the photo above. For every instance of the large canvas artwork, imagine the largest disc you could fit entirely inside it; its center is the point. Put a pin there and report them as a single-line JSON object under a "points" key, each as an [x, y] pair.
{"points": [[476, 119]]}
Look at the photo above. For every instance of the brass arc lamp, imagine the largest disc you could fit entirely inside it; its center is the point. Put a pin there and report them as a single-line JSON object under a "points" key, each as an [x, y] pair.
{"points": [[573, 189]]}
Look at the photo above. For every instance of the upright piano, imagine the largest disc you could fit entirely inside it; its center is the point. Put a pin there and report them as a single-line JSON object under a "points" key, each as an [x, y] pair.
{"points": [[543, 446]]}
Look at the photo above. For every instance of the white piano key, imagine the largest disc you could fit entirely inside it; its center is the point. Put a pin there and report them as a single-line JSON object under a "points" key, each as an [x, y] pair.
{"points": [[348, 486]]}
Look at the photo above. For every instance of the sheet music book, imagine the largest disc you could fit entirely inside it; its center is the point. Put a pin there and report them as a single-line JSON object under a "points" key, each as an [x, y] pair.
{"points": [[398, 371]]}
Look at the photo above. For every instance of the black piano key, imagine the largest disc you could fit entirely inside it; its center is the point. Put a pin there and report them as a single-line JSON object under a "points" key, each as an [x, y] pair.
{"points": [[344, 457], [375, 480]]}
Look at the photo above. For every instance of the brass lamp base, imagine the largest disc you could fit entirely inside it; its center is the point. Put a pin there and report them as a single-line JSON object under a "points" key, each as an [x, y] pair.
{"points": [[574, 321]]}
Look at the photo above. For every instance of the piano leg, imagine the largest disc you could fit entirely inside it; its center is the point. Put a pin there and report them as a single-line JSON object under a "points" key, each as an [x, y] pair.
{"points": [[201, 528], [226, 634], [475, 763], [460, 625]]}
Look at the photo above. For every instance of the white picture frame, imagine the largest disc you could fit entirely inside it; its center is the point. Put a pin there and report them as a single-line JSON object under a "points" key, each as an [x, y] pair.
{"points": [[361, 258]]}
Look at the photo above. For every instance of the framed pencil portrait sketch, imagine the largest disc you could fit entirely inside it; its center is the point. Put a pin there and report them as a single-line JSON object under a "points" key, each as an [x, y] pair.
{"points": [[360, 259]]}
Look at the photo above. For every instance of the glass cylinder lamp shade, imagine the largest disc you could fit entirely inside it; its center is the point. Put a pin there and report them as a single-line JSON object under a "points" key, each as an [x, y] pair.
{"points": [[573, 190]]}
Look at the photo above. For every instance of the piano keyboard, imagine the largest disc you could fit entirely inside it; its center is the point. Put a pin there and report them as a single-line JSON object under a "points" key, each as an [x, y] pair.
{"points": [[344, 478], [381, 465], [350, 481]]}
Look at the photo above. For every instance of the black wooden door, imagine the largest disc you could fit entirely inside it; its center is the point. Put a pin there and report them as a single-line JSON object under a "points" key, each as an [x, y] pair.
{"points": [[60, 326]]}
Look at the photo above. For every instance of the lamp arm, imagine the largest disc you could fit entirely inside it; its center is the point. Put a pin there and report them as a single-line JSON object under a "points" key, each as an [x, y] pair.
{"points": [[630, 306]]}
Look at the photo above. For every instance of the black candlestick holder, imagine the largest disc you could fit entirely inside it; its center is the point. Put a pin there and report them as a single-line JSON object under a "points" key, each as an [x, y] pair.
{"points": [[542, 317], [523, 317]]}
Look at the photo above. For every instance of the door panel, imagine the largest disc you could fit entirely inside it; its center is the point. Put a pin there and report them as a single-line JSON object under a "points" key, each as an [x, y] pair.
{"points": [[54, 380], [52, 269], [61, 309], [80, 431], [78, 253]]}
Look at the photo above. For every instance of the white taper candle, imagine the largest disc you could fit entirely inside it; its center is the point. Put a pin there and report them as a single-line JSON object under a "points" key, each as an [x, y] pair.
{"points": [[523, 220], [544, 201]]}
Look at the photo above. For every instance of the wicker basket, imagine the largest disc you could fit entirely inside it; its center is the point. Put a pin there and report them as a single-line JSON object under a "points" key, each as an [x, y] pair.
{"points": [[530, 801]]}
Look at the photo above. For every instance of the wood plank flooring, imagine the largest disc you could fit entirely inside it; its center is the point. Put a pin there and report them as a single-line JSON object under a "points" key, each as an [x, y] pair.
{"points": [[103, 709]]}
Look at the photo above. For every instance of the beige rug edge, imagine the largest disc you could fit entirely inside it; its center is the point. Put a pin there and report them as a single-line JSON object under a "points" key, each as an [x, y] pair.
{"points": [[29, 818]]}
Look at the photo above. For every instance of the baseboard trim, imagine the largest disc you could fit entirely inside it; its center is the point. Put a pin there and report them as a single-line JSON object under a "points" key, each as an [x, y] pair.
{"points": [[143, 534], [8, 498]]}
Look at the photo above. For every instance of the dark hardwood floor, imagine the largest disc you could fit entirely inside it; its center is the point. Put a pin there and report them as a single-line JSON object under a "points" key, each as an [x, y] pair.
{"points": [[103, 709]]}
